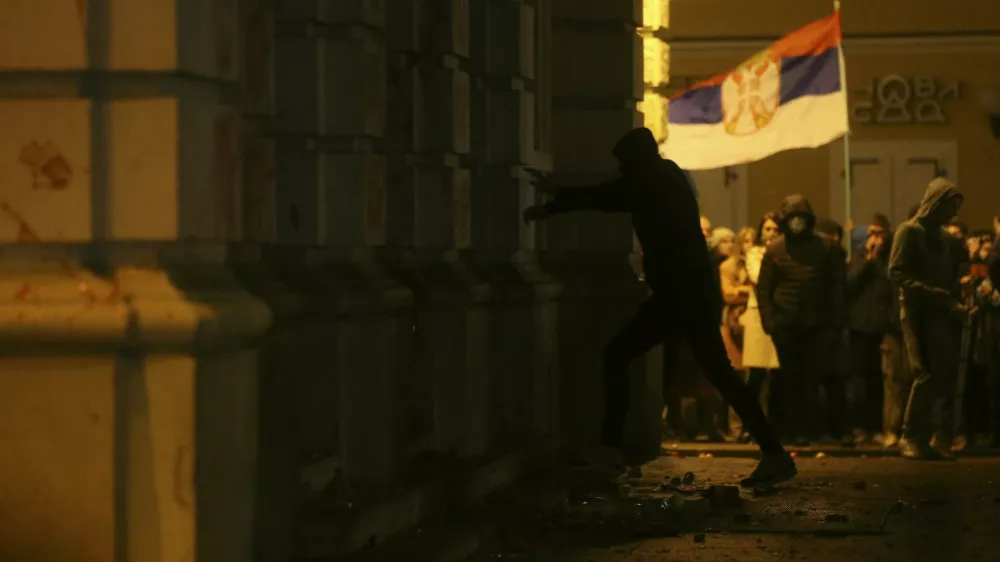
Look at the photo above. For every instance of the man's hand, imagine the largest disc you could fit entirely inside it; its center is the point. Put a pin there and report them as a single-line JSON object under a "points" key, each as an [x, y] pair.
{"points": [[535, 213]]}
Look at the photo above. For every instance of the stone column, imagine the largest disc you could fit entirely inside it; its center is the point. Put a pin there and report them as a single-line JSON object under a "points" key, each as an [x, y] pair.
{"points": [[330, 125], [128, 358], [597, 82], [428, 223], [509, 135]]}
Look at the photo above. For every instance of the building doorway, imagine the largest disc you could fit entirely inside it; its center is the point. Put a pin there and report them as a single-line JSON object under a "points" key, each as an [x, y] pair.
{"points": [[889, 177]]}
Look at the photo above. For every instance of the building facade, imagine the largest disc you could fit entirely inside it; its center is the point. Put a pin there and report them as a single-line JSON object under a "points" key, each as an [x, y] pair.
{"points": [[920, 75], [262, 260]]}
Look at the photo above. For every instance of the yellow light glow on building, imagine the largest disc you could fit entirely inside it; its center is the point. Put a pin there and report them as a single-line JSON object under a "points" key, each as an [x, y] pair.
{"points": [[656, 65]]}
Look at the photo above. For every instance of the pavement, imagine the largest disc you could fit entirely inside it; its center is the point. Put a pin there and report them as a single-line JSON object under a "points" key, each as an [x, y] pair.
{"points": [[737, 450], [872, 508]]}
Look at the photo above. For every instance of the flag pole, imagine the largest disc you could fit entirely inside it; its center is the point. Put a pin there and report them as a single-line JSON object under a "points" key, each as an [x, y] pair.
{"points": [[847, 139]]}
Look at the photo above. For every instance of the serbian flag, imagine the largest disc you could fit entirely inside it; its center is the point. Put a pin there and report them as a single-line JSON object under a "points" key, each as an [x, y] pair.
{"points": [[790, 95]]}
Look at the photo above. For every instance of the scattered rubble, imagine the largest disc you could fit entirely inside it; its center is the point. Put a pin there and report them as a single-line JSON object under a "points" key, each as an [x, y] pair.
{"points": [[725, 497]]}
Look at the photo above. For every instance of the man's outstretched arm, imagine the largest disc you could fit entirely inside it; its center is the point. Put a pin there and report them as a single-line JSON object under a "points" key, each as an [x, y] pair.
{"points": [[609, 197]]}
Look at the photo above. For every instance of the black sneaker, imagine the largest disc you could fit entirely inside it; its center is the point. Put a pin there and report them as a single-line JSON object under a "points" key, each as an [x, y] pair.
{"points": [[772, 469]]}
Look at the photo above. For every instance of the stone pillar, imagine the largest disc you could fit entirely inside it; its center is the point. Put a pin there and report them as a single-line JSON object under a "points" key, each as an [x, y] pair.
{"points": [[509, 85], [597, 82], [128, 390], [428, 223], [331, 109]]}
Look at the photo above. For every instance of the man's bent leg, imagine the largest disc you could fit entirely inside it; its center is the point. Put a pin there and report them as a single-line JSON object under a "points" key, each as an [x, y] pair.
{"points": [[706, 343], [640, 334]]}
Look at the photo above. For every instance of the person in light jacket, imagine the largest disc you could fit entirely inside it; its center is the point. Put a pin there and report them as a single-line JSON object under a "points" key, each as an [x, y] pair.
{"points": [[760, 357]]}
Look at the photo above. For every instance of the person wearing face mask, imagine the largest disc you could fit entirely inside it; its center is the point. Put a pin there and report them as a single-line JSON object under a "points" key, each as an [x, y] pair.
{"points": [[684, 305], [925, 264], [800, 293]]}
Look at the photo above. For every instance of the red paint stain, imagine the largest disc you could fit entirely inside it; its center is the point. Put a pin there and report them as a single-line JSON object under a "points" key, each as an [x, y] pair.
{"points": [[23, 293], [49, 167]]}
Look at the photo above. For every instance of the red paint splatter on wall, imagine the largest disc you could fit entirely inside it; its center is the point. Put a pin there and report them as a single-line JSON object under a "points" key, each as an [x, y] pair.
{"points": [[27, 235], [226, 175], [49, 168], [23, 293]]}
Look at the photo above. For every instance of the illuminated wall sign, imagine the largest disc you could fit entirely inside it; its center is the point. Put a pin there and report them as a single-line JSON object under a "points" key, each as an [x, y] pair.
{"points": [[896, 100]]}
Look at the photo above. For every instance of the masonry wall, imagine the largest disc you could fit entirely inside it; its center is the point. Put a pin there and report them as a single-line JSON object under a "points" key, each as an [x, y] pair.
{"points": [[265, 280]]}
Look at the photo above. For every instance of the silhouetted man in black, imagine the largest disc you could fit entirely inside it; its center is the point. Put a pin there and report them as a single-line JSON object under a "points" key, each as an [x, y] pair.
{"points": [[684, 305], [924, 263]]}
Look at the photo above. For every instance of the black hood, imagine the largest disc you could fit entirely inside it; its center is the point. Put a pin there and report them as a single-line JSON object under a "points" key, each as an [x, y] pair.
{"points": [[937, 191], [638, 145], [796, 206]]}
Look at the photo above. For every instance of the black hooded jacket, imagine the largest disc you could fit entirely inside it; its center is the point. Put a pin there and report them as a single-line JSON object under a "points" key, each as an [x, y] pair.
{"points": [[664, 211], [925, 261], [801, 281]]}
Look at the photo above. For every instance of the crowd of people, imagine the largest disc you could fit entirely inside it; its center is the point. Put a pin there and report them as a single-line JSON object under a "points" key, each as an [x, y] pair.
{"points": [[812, 318]]}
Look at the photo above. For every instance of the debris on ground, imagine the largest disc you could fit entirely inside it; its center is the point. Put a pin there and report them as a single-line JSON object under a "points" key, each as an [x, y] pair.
{"points": [[674, 501], [725, 497]]}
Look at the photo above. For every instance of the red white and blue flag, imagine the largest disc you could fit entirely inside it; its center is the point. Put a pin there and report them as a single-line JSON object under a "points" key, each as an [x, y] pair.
{"points": [[790, 95]]}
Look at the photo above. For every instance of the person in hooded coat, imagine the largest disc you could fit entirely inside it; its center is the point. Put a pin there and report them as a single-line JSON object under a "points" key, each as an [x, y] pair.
{"points": [[684, 305], [925, 264], [800, 295]]}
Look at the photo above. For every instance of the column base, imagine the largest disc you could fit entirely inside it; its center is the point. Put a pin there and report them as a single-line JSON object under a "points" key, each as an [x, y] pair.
{"points": [[523, 401], [600, 292], [128, 369], [448, 389]]}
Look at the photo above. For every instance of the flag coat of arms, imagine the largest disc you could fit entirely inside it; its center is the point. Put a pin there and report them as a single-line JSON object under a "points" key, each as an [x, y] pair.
{"points": [[790, 95]]}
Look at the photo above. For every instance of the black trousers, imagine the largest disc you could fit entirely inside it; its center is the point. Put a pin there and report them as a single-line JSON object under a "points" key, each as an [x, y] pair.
{"points": [[932, 352], [805, 356], [867, 383], [690, 319]]}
